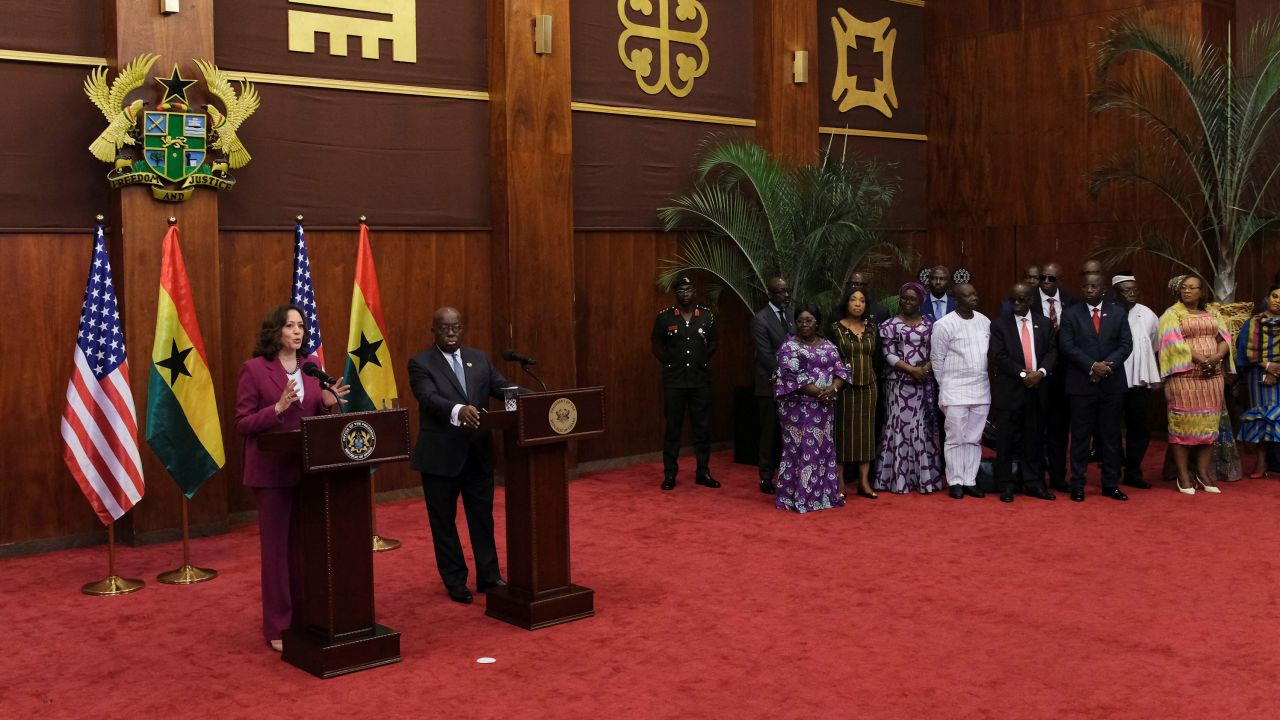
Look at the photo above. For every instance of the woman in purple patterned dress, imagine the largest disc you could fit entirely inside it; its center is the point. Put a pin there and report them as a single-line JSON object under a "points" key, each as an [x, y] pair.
{"points": [[909, 455], [810, 375]]}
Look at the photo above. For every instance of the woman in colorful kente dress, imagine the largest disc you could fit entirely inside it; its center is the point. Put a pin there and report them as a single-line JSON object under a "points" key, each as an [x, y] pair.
{"points": [[1258, 357], [909, 458], [810, 375], [1193, 343]]}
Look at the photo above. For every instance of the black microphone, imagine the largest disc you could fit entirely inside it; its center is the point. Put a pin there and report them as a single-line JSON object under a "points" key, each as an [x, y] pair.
{"points": [[512, 356], [310, 368]]}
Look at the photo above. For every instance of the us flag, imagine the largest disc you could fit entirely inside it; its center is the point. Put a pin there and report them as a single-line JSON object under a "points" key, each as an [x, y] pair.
{"points": [[99, 425], [304, 295]]}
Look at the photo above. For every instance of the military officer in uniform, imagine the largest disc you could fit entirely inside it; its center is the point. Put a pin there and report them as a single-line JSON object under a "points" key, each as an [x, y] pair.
{"points": [[684, 338]]}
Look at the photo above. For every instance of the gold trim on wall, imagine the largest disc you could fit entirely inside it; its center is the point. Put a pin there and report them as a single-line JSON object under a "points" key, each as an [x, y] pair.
{"points": [[662, 114], [873, 133], [357, 85], [917, 3], [51, 58]]}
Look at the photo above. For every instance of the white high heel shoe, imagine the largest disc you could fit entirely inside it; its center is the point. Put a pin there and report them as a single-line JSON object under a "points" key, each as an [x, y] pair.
{"points": [[1214, 489], [1185, 491]]}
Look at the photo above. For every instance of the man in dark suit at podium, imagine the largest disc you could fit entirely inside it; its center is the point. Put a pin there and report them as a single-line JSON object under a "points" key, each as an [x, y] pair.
{"points": [[453, 384]]}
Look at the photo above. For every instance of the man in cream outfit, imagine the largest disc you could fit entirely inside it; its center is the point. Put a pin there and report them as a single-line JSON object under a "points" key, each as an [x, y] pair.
{"points": [[959, 355], [1143, 373]]}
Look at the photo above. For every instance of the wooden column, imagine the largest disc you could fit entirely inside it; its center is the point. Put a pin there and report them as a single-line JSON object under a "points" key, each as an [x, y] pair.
{"points": [[134, 27], [532, 178], [786, 112]]}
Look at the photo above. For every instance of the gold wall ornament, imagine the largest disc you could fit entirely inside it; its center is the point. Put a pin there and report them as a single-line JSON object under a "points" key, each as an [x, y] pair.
{"points": [[640, 59], [883, 98], [401, 29]]}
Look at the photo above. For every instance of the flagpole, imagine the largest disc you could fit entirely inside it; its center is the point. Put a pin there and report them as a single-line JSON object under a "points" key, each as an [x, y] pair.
{"points": [[112, 584], [188, 574]]}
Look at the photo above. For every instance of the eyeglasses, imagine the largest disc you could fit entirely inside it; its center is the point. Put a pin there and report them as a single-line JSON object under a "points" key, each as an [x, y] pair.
{"points": [[1050, 278], [449, 329]]}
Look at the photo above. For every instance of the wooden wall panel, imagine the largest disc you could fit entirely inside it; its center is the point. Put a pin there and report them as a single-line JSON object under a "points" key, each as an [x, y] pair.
{"points": [[617, 300], [784, 110], [41, 294]]}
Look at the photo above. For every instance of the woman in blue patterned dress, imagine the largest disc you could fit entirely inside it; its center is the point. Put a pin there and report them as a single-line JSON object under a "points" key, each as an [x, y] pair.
{"points": [[909, 458], [1258, 358], [810, 375]]}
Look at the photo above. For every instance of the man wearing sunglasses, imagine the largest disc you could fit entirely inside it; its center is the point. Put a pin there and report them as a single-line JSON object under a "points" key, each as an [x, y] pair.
{"points": [[1050, 302]]}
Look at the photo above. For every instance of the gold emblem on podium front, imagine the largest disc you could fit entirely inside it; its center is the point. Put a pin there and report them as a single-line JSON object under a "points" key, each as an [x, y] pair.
{"points": [[563, 416], [358, 440]]}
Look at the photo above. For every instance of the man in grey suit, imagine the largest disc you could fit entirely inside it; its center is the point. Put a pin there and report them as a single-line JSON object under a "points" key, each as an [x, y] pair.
{"points": [[453, 384], [769, 330]]}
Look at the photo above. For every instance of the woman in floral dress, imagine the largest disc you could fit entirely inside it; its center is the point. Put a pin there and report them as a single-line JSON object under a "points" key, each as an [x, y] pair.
{"points": [[909, 458]]}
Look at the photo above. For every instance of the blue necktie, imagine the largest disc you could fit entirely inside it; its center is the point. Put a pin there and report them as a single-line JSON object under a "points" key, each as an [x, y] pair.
{"points": [[455, 360]]}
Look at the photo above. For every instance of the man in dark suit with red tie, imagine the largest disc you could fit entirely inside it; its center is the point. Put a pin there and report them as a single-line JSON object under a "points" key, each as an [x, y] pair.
{"points": [[1094, 340], [453, 384], [1023, 354]]}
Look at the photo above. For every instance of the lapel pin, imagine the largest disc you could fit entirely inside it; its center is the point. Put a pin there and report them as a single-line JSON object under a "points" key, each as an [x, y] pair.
{"points": [[468, 364]]}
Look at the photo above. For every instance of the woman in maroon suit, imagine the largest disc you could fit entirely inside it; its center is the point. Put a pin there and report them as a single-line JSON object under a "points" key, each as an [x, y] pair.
{"points": [[274, 395]]}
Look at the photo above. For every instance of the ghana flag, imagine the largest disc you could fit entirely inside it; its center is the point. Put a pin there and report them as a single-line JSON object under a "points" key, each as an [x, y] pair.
{"points": [[368, 370], [182, 415]]}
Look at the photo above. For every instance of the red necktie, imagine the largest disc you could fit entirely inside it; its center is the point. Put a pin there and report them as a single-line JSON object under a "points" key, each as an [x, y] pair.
{"points": [[1027, 358], [1053, 313], [1097, 322]]}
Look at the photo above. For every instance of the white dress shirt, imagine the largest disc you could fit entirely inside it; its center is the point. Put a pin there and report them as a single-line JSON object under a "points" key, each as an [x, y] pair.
{"points": [[1141, 368], [938, 306], [1057, 305], [959, 355], [1029, 321]]}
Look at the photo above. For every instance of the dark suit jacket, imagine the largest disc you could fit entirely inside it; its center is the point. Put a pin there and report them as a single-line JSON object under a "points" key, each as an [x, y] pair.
{"points": [[1005, 352], [262, 380], [926, 308], [442, 447], [1080, 346], [767, 335]]}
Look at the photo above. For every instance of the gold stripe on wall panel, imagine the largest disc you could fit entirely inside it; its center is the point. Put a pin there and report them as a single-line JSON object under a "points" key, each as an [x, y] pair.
{"points": [[357, 85], [51, 58], [662, 114], [917, 3], [873, 133]]}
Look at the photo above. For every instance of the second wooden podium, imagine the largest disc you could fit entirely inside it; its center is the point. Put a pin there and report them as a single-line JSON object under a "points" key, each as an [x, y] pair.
{"points": [[334, 631], [539, 591]]}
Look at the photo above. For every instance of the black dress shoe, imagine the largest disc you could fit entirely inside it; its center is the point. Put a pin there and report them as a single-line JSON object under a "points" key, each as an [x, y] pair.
{"points": [[460, 594], [669, 483], [956, 492], [1060, 485], [1006, 496], [486, 587], [1137, 483], [766, 487], [1040, 494], [973, 491], [708, 481], [1077, 495], [1115, 494]]}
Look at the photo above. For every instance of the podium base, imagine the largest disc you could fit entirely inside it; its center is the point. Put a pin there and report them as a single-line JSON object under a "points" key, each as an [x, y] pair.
{"points": [[325, 659], [532, 612]]}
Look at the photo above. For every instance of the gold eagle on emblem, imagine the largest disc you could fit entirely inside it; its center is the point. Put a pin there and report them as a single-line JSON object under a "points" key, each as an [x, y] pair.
{"points": [[110, 100], [239, 108]]}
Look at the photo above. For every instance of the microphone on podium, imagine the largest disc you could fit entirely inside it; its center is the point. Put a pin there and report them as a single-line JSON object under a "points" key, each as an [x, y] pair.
{"points": [[310, 368], [525, 361]]}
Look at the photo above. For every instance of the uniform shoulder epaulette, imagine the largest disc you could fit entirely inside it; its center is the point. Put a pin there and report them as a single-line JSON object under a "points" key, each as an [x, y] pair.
{"points": [[663, 312]]}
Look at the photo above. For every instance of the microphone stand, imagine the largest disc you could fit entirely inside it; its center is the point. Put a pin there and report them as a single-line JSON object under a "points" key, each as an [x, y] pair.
{"points": [[525, 367]]}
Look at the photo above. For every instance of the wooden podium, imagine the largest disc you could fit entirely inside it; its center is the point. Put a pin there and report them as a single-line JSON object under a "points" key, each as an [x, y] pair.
{"points": [[333, 630], [539, 593]]}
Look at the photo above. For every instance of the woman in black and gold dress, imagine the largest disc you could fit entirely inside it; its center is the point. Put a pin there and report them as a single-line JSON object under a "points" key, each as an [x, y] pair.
{"points": [[857, 338]]}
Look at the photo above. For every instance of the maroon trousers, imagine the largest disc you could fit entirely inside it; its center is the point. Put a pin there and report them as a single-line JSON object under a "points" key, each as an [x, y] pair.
{"points": [[275, 514]]}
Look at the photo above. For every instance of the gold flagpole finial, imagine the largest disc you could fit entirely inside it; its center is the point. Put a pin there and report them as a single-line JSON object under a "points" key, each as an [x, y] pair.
{"points": [[99, 217], [299, 218], [173, 220], [364, 219]]}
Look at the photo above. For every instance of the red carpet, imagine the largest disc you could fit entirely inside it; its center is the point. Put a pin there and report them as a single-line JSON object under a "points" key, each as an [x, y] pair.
{"points": [[713, 604]]}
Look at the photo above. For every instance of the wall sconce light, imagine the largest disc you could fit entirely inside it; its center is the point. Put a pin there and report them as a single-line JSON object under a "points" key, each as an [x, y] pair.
{"points": [[800, 67], [542, 34], [169, 7]]}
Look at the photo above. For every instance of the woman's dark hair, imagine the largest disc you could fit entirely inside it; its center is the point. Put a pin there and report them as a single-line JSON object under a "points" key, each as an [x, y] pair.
{"points": [[842, 310], [810, 308], [269, 336]]}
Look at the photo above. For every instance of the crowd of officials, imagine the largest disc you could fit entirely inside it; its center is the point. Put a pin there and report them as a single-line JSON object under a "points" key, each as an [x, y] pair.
{"points": [[904, 401]]}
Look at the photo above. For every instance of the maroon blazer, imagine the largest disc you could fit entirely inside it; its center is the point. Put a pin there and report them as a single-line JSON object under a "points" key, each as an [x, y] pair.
{"points": [[261, 382]]}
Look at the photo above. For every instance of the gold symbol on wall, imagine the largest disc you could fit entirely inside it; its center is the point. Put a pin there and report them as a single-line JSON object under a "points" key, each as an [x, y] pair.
{"points": [[883, 98], [640, 59], [401, 29]]}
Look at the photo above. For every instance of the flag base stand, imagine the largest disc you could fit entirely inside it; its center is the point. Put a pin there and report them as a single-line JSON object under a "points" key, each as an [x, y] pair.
{"points": [[113, 585], [381, 544], [187, 575]]}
